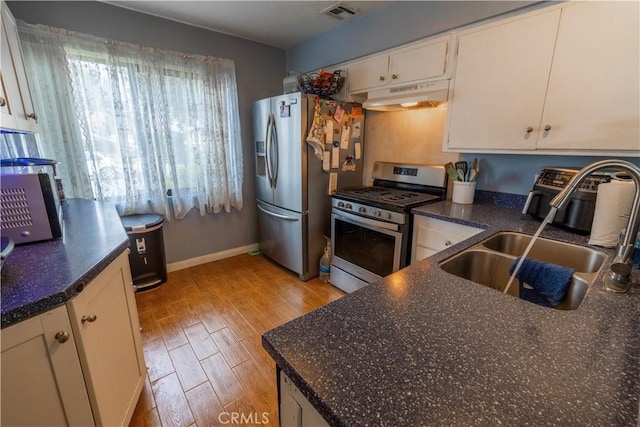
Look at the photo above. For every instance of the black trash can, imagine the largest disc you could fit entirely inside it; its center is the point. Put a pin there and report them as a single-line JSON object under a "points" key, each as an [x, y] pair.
{"points": [[147, 258]]}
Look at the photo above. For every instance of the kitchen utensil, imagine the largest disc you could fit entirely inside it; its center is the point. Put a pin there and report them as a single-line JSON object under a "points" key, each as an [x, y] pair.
{"points": [[474, 165], [453, 174], [460, 175], [463, 166], [449, 165], [473, 174]]}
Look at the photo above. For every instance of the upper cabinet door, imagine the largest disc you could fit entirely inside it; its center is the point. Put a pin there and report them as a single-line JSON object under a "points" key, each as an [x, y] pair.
{"points": [[500, 82], [422, 62], [369, 73], [593, 98], [7, 81], [14, 78]]}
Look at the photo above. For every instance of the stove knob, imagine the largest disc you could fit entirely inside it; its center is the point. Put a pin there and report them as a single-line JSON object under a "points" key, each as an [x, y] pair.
{"points": [[341, 204], [348, 206], [388, 215], [362, 209], [377, 212]]}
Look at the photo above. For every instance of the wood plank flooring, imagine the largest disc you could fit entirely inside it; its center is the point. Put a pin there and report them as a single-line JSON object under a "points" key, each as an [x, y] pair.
{"points": [[201, 334]]}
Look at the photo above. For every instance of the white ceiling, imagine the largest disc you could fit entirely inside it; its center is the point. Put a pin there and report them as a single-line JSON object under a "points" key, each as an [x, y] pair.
{"points": [[276, 23]]}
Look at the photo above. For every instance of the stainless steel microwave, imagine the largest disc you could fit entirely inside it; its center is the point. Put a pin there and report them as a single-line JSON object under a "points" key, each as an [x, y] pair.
{"points": [[30, 208]]}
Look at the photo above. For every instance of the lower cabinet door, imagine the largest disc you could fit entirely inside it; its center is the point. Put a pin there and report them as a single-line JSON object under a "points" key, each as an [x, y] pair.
{"points": [[42, 381], [109, 343], [295, 409]]}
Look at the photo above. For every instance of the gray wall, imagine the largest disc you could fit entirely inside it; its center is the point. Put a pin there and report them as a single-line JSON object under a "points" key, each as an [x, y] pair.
{"points": [[399, 23], [404, 22], [514, 173], [259, 70]]}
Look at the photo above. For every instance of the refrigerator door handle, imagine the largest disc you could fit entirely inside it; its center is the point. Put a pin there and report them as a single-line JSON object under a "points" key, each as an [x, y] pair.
{"points": [[267, 151], [274, 148], [284, 217]]}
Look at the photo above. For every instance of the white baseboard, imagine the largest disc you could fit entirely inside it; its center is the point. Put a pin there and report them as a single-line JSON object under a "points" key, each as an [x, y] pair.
{"points": [[192, 262]]}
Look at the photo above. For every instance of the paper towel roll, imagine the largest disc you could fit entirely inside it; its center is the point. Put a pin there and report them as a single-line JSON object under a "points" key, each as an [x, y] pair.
{"points": [[611, 214]]}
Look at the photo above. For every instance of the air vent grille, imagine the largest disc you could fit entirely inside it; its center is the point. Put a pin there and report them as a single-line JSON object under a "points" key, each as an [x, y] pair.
{"points": [[403, 89], [340, 11], [15, 209]]}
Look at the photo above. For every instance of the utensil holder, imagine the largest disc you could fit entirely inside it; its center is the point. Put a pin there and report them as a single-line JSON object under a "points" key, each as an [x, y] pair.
{"points": [[463, 192]]}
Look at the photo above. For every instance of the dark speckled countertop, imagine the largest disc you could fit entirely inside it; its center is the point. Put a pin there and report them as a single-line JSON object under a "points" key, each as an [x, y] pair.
{"points": [[424, 347], [39, 276]]}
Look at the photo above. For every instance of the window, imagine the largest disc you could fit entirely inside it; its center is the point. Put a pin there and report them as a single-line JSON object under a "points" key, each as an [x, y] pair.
{"points": [[150, 130], [14, 144]]}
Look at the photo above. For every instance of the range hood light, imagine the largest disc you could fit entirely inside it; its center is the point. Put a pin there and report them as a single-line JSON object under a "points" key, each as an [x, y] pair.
{"points": [[409, 104]]}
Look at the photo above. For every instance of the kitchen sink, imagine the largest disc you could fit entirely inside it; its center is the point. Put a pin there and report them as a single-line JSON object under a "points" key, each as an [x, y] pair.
{"points": [[488, 262], [579, 258]]}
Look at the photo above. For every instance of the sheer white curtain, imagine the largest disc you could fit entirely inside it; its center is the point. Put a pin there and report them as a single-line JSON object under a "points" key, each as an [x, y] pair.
{"points": [[151, 130]]}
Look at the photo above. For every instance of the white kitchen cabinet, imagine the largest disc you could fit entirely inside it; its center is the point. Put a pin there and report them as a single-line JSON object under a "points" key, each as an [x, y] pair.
{"points": [[16, 106], [80, 364], [431, 236], [500, 80], [295, 409], [42, 380], [593, 97], [558, 81], [367, 74], [423, 61], [105, 320]]}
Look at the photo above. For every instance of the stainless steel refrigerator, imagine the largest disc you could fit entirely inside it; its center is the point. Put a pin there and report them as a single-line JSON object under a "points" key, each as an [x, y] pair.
{"points": [[294, 204]]}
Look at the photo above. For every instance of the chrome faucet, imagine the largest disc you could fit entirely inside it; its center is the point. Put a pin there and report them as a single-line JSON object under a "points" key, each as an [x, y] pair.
{"points": [[618, 278]]}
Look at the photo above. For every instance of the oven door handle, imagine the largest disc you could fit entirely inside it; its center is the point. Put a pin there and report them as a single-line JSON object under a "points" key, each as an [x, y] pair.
{"points": [[371, 223]]}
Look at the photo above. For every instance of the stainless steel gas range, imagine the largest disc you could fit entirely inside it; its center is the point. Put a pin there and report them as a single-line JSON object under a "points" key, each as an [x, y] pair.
{"points": [[371, 226]]}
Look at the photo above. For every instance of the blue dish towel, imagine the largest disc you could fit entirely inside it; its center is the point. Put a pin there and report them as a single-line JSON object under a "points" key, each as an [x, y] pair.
{"points": [[549, 281]]}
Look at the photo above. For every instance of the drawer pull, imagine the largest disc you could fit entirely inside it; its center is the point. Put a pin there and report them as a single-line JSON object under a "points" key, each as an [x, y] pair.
{"points": [[90, 319], [62, 337], [448, 243]]}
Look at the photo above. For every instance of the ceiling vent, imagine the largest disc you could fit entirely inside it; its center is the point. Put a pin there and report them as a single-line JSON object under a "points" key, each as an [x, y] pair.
{"points": [[340, 11]]}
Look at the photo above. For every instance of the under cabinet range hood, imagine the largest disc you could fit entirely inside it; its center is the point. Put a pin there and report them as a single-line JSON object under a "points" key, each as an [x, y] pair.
{"points": [[408, 96]]}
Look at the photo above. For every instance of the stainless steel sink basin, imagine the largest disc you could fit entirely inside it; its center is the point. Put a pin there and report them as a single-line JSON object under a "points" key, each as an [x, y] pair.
{"points": [[488, 264], [579, 258]]}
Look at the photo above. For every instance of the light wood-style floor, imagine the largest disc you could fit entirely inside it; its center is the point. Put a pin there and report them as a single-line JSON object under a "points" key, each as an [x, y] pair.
{"points": [[201, 334]]}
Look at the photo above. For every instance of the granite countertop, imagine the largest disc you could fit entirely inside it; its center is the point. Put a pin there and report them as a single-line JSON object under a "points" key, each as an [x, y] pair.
{"points": [[37, 277], [424, 347]]}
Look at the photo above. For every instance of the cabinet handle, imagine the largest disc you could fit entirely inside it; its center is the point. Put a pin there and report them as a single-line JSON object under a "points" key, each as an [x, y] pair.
{"points": [[394, 76], [547, 128], [448, 243], [529, 129], [381, 78], [3, 102], [32, 116], [62, 337], [91, 318]]}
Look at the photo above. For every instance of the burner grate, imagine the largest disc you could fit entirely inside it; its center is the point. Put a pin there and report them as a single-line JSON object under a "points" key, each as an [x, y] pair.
{"points": [[394, 197]]}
